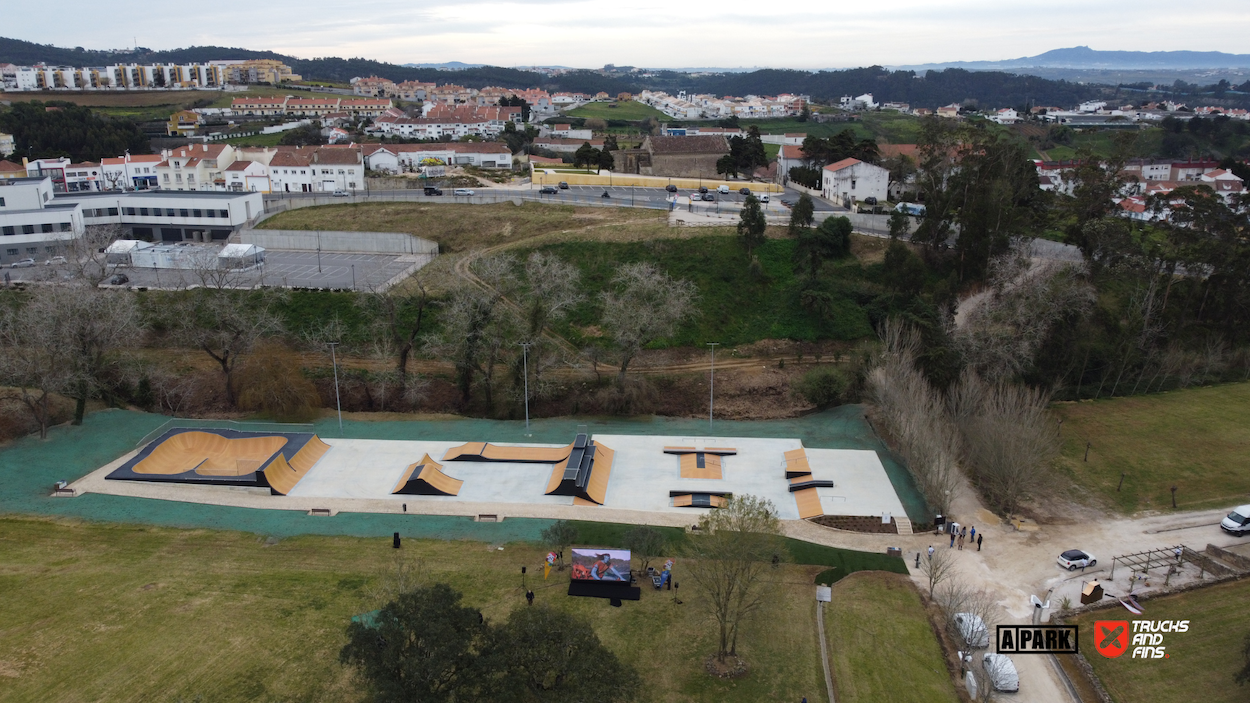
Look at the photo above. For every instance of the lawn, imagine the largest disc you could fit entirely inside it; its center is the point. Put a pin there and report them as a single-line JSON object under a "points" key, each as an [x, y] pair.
{"points": [[256, 140], [632, 111], [1200, 663], [793, 126], [121, 612], [881, 645], [1196, 439], [734, 308]]}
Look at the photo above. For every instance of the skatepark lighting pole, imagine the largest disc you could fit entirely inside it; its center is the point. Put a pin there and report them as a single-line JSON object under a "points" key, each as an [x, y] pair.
{"points": [[525, 361], [318, 251], [335, 362], [711, 398]]}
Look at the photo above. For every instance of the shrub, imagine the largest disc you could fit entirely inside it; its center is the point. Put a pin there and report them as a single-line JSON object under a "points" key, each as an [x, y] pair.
{"points": [[823, 386], [271, 382]]}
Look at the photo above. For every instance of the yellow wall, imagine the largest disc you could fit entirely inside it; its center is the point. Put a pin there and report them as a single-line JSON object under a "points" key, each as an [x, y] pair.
{"points": [[617, 179]]}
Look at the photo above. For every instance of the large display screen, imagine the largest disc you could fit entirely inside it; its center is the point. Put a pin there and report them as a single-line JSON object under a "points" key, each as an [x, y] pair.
{"points": [[600, 564]]}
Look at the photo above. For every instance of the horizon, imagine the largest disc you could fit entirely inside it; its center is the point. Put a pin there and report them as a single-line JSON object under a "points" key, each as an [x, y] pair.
{"points": [[432, 32]]}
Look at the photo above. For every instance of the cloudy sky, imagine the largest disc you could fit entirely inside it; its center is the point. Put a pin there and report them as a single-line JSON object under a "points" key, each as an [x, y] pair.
{"points": [[653, 33]]}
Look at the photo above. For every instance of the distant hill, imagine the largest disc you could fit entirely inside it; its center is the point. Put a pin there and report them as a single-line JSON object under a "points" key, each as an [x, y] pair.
{"points": [[448, 66], [1083, 57]]}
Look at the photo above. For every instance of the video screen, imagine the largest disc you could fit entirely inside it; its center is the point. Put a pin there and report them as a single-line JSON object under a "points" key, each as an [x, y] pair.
{"points": [[601, 564]]}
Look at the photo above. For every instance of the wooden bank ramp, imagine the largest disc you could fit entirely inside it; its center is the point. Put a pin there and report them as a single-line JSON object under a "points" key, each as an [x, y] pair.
{"points": [[210, 454], [282, 475], [484, 451], [429, 480]]}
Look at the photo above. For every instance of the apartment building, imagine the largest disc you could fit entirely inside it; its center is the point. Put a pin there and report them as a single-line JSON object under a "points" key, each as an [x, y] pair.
{"points": [[7, 146], [309, 107], [33, 224], [409, 158], [130, 172]]}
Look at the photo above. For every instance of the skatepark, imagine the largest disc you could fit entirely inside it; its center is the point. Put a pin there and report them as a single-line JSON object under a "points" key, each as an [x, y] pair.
{"points": [[660, 478]]}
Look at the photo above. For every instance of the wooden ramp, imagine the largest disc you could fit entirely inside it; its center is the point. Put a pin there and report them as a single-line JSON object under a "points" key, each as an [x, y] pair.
{"points": [[699, 500], [428, 481], [484, 451], [584, 473], [700, 466], [796, 463], [210, 454], [808, 503], [281, 475]]}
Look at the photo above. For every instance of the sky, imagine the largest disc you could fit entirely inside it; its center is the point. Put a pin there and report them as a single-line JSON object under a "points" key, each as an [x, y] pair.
{"points": [[649, 33]]}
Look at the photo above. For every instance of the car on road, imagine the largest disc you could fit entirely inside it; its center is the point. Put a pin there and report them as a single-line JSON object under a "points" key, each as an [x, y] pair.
{"points": [[671, 188], [702, 189], [786, 202], [1001, 672], [1074, 559], [1238, 521], [119, 279], [972, 628], [564, 186], [548, 190], [723, 190], [709, 198], [765, 198], [431, 190], [744, 191], [462, 191], [340, 194], [54, 261], [23, 263]]}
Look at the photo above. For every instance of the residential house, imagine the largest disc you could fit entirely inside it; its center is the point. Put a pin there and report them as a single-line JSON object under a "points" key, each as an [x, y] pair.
{"points": [[1225, 183], [6, 144], [949, 111], [409, 158], [1006, 115], [788, 157], [373, 87], [183, 123], [195, 167], [850, 180], [247, 176]]}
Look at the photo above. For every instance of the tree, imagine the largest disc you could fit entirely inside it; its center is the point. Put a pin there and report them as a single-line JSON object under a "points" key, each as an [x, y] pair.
{"points": [[596, 124], [803, 214], [398, 315], [552, 288], [937, 567], [902, 270], [645, 543], [730, 554], [477, 335], [35, 364], [419, 647], [728, 166], [644, 304], [271, 382], [804, 114], [225, 325], [85, 257], [559, 536], [306, 135], [831, 240], [93, 326], [585, 155], [57, 128], [902, 168], [543, 654], [606, 160], [752, 224]]}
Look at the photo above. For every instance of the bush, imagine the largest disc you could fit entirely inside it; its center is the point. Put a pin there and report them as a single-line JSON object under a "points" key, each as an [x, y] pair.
{"points": [[271, 382], [823, 386]]}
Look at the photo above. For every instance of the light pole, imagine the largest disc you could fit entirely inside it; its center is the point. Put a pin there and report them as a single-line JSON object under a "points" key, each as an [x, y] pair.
{"points": [[335, 361], [525, 361], [318, 251], [711, 398]]}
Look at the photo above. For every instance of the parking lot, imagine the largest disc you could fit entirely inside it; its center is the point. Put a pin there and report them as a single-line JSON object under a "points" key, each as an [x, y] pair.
{"points": [[288, 269]]}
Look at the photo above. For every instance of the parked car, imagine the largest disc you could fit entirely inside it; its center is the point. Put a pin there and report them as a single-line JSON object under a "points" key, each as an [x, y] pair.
{"points": [[548, 190], [462, 191], [23, 263], [1001, 672], [702, 189], [54, 261], [119, 279], [709, 198], [340, 194], [765, 198], [972, 628], [564, 186], [431, 190], [1074, 559], [671, 188], [1238, 521], [870, 200], [723, 190], [744, 191]]}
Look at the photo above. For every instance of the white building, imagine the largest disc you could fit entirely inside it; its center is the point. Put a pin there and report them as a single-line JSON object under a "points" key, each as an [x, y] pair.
{"points": [[1006, 115], [33, 224], [168, 216], [6, 144], [129, 172], [409, 158], [851, 180]]}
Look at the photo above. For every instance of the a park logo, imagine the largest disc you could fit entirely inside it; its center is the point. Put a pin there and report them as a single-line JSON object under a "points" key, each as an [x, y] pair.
{"points": [[1037, 639], [1111, 637]]}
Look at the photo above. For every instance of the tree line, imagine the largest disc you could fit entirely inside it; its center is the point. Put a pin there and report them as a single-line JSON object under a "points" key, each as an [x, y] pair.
{"points": [[56, 128]]}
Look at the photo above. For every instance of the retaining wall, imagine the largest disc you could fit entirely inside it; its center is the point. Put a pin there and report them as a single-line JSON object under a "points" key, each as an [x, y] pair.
{"points": [[356, 242]]}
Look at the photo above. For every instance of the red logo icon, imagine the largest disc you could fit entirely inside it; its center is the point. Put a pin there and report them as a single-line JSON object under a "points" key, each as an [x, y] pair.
{"points": [[1111, 637]]}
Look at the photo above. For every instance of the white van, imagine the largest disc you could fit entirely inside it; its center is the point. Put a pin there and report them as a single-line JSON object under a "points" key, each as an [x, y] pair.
{"points": [[462, 191], [723, 190], [1238, 521]]}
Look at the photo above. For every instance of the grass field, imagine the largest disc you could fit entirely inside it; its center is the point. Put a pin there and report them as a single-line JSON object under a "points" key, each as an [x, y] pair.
{"points": [[119, 612], [1196, 439], [881, 645], [148, 105], [1200, 663], [633, 111], [735, 309], [257, 140]]}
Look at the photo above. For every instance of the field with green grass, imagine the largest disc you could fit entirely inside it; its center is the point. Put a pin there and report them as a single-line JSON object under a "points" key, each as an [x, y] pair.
{"points": [[121, 612], [1195, 439], [633, 111], [256, 140], [882, 647], [793, 126], [151, 104], [1200, 663], [735, 308]]}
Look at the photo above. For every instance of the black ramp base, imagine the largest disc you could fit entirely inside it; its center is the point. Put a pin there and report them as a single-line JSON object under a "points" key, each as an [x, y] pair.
{"points": [[604, 589]]}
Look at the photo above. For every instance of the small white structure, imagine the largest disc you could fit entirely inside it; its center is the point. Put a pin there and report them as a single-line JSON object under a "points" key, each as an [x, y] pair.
{"points": [[121, 251], [1006, 115], [239, 257], [851, 180], [232, 257]]}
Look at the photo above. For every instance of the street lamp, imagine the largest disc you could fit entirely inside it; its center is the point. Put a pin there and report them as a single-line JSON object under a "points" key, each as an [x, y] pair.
{"points": [[338, 403], [711, 398], [525, 360]]}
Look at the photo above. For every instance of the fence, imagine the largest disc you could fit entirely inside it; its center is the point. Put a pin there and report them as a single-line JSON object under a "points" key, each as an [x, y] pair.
{"points": [[276, 202], [332, 241]]}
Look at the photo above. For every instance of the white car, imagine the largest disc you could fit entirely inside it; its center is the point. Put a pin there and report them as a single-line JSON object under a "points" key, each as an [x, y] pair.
{"points": [[765, 198], [973, 629], [723, 190], [462, 191], [340, 194], [1001, 672], [54, 261], [23, 264], [1074, 559], [1238, 521]]}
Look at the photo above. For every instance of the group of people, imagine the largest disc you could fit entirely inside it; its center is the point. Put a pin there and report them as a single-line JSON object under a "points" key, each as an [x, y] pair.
{"points": [[959, 534]]}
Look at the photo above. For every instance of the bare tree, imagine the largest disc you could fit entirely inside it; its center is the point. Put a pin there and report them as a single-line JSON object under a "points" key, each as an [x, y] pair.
{"points": [[96, 326], [730, 555], [937, 567], [85, 256], [34, 363], [645, 543], [644, 304], [398, 316], [970, 616], [552, 287], [1007, 436], [226, 325], [478, 334]]}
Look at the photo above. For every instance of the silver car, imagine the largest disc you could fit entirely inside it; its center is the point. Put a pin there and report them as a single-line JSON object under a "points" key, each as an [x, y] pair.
{"points": [[23, 263]]}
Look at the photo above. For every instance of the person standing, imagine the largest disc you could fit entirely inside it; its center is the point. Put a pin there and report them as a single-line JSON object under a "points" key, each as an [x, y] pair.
{"points": [[930, 551], [979, 541], [952, 539], [972, 535]]}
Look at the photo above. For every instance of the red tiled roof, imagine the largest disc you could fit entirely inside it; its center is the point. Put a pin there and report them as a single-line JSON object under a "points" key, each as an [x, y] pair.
{"points": [[844, 163], [792, 151], [9, 166]]}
